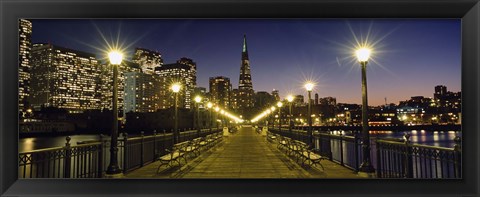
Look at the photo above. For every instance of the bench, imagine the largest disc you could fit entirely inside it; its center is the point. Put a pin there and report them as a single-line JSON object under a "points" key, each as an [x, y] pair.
{"points": [[310, 156], [173, 156]]}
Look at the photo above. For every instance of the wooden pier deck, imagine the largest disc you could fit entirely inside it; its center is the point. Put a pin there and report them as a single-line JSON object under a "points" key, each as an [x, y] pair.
{"points": [[245, 154]]}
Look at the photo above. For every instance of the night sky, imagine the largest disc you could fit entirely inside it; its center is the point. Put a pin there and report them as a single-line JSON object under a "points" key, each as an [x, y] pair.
{"points": [[410, 57]]}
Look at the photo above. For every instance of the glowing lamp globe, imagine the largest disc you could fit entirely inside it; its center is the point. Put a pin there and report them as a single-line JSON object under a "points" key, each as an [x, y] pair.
{"points": [[279, 104], [176, 87], [363, 54], [115, 57], [289, 98], [309, 86], [198, 99], [209, 105]]}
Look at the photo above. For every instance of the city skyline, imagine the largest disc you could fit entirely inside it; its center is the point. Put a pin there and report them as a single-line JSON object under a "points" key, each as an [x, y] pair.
{"points": [[317, 49]]}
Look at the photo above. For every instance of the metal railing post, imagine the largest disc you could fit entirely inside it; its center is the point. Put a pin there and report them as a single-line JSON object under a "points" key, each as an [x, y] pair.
{"points": [[355, 150], [341, 149], [458, 157], [125, 150], [379, 167], [67, 159], [154, 151], [408, 157], [142, 148], [100, 158]]}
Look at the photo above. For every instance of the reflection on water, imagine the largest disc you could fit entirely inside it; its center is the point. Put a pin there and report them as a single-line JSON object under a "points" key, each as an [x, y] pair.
{"points": [[34, 143], [432, 138]]}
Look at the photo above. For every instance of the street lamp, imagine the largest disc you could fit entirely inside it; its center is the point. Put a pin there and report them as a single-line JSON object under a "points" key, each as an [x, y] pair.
{"points": [[209, 106], [198, 99], [290, 100], [175, 89], [309, 88], [279, 105], [113, 169], [366, 167]]}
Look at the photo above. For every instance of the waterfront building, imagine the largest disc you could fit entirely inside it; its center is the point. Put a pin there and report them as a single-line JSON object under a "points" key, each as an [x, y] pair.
{"points": [[245, 86], [142, 92], [24, 64], [64, 78], [147, 59], [316, 99], [220, 91]]}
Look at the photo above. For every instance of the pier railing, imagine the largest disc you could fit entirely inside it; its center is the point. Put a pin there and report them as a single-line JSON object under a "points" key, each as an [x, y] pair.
{"points": [[391, 158], [407, 160], [90, 160]]}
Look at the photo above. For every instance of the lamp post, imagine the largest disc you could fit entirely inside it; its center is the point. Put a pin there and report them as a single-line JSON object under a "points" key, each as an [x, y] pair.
{"points": [[209, 106], [113, 169], [290, 100], [175, 89], [309, 88], [366, 167], [198, 99], [279, 105]]}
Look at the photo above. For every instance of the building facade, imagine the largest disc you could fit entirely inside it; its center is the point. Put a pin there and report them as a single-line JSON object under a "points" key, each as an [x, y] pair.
{"points": [[147, 59], [106, 81], [220, 91], [142, 92], [24, 67], [64, 78]]}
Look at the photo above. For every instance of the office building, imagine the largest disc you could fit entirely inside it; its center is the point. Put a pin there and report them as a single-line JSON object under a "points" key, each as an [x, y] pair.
{"points": [[183, 72], [220, 91], [64, 78], [24, 64], [142, 92]]}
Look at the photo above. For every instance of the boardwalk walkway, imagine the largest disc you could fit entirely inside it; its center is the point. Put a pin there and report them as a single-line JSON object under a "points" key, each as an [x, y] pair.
{"points": [[246, 154]]}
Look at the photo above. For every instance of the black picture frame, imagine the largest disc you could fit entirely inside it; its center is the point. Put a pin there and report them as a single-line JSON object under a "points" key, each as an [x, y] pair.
{"points": [[11, 11]]}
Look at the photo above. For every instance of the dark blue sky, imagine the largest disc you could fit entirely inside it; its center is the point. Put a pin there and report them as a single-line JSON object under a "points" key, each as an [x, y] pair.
{"points": [[411, 56]]}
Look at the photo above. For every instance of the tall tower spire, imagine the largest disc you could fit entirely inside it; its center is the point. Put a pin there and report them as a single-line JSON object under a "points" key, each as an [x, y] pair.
{"points": [[245, 87]]}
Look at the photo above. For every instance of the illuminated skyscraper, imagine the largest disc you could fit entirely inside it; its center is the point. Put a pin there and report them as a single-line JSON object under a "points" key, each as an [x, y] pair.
{"points": [[106, 81], [147, 59], [245, 87], [64, 78], [184, 72], [220, 91], [142, 92], [25, 47]]}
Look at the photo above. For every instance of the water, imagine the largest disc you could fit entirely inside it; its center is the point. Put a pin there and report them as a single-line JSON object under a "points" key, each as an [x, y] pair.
{"points": [[34, 143], [432, 138]]}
